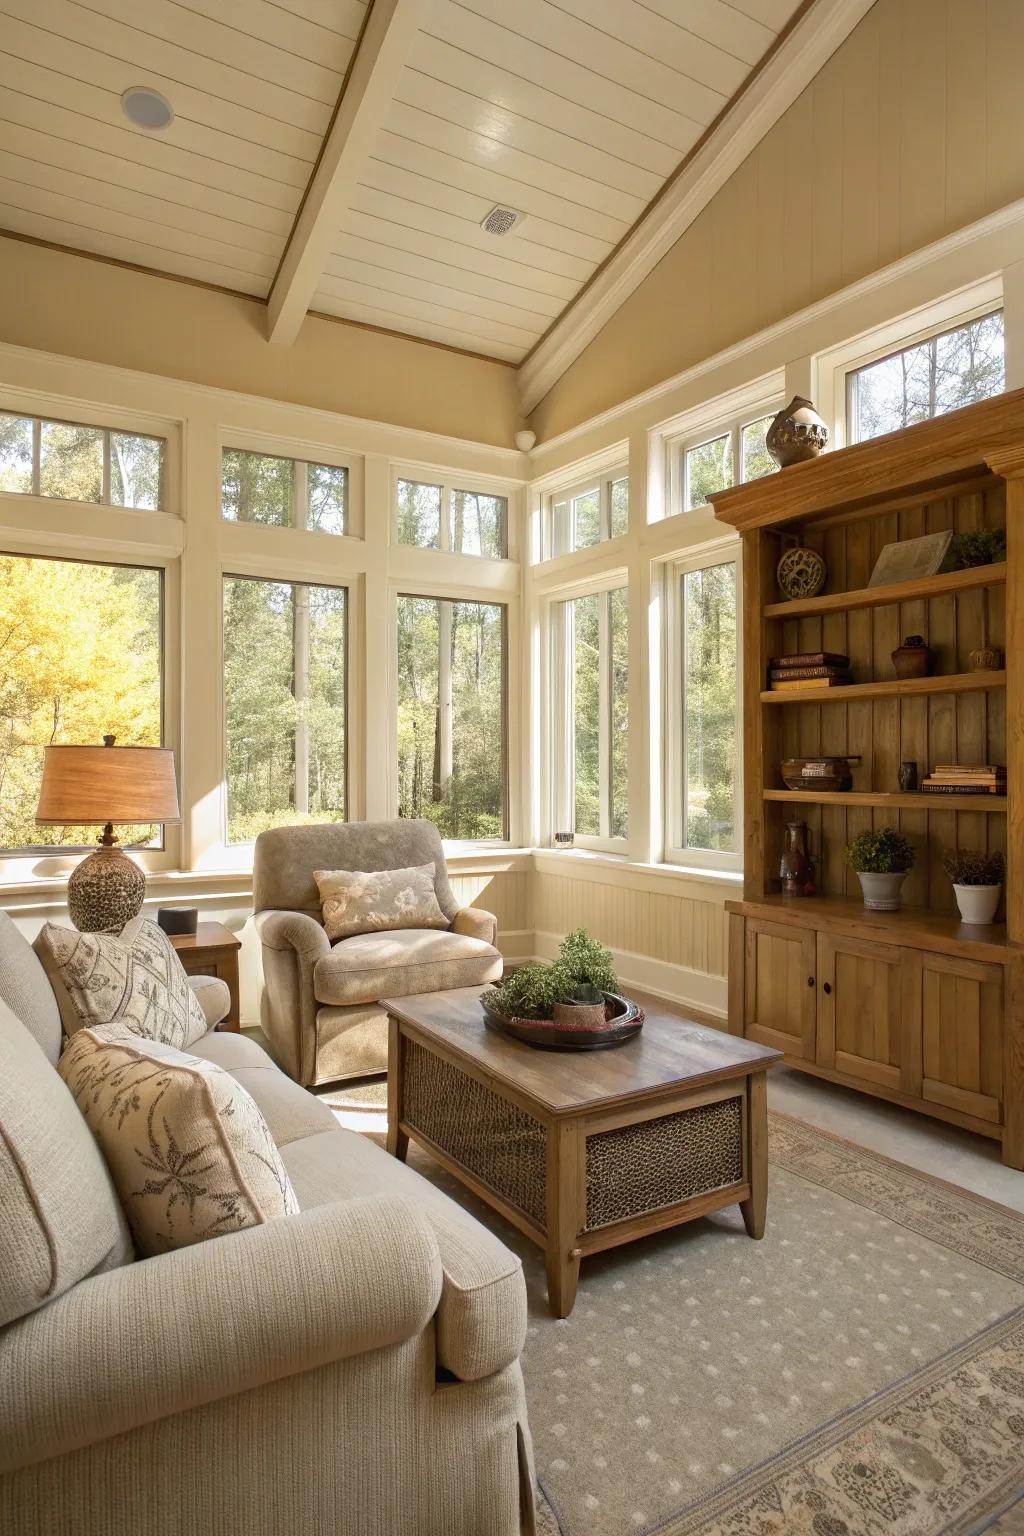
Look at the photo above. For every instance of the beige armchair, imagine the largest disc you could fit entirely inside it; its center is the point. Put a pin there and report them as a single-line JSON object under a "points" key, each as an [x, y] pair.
{"points": [[321, 1002]]}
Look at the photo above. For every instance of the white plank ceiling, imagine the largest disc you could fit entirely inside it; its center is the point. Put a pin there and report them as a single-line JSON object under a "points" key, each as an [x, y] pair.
{"points": [[574, 113]]}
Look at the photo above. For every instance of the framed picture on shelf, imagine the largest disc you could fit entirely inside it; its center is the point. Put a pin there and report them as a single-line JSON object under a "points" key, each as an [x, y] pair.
{"points": [[910, 559]]}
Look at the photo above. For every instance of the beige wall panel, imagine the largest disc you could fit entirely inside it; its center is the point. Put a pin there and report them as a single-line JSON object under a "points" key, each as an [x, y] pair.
{"points": [[58, 302], [910, 131], [673, 929], [504, 894]]}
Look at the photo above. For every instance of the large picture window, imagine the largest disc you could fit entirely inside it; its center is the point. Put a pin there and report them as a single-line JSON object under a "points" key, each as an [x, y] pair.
{"points": [[591, 696], [588, 513], [285, 689], [440, 515], [451, 715], [73, 462], [705, 817], [80, 656], [284, 493], [940, 374]]}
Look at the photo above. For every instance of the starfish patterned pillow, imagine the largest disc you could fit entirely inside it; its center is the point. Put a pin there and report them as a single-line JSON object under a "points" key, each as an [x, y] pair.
{"points": [[133, 978], [189, 1152]]}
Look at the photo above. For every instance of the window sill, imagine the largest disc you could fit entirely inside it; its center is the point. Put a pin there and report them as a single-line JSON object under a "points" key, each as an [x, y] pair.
{"points": [[621, 862]]}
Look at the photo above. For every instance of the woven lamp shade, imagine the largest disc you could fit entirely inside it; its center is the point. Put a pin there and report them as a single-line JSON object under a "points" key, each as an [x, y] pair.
{"points": [[86, 785]]}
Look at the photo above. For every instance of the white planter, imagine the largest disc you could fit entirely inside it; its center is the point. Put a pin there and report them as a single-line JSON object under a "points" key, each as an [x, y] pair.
{"points": [[977, 903], [882, 892]]}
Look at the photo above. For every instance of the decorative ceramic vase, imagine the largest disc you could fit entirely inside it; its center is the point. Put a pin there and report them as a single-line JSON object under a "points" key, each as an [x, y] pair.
{"points": [[977, 903], [882, 893], [908, 777], [796, 434], [794, 866], [913, 658], [987, 658], [801, 573]]}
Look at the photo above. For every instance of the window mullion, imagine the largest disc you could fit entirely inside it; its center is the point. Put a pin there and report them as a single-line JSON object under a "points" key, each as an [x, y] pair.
{"points": [[300, 494], [604, 715], [37, 453], [681, 686], [444, 532], [105, 491]]}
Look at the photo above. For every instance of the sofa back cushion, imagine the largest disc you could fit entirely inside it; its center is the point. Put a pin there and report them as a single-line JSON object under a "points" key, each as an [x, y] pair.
{"points": [[285, 858], [25, 989], [132, 978], [60, 1218], [378, 901], [189, 1151]]}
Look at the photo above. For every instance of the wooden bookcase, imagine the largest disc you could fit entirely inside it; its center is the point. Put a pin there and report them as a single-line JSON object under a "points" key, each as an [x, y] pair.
{"points": [[912, 1006]]}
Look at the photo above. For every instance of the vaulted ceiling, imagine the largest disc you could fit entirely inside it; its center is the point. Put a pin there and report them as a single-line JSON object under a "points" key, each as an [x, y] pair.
{"points": [[331, 157]]}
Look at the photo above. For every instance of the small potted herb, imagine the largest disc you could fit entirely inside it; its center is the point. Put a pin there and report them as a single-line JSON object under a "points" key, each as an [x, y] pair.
{"points": [[573, 991], [977, 881], [882, 860]]}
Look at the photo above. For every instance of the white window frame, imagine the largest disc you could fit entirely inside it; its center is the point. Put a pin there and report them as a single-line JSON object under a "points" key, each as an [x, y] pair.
{"points": [[563, 720], [719, 552], [731, 427], [557, 529], [301, 458], [448, 484], [124, 425]]}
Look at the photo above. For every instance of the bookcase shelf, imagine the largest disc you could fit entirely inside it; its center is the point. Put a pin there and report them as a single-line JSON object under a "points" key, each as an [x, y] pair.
{"points": [[918, 801], [893, 688], [898, 592]]}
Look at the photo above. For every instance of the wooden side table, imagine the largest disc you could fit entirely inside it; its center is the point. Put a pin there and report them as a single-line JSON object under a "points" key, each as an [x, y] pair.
{"points": [[213, 951]]}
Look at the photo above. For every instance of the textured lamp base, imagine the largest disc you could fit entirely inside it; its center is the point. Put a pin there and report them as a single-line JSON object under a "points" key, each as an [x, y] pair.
{"points": [[105, 891]]}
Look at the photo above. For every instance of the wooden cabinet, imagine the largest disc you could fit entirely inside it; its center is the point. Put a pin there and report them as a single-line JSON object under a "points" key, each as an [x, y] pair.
{"points": [[860, 1014], [779, 988], [962, 1036]]}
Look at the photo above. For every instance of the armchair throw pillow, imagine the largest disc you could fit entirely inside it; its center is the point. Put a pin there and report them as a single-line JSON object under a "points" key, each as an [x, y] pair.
{"points": [[132, 978], [379, 901], [189, 1152]]}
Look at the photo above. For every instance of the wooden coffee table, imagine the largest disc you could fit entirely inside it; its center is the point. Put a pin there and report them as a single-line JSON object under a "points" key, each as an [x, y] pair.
{"points": [[582, 1150]]}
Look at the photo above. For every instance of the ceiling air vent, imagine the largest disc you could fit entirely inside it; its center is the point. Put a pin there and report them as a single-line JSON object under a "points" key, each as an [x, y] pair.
{"points": [[501, 220]]}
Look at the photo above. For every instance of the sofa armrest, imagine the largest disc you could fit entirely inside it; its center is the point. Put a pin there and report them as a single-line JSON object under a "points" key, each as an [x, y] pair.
{"points": [[292, 944], [475, 923], [166, 1335], [213, 998]]}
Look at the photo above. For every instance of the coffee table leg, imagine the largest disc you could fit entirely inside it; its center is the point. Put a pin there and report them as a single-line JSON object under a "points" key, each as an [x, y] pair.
{"points": [[398, 1141], [564, 1215], [754, 1209]]}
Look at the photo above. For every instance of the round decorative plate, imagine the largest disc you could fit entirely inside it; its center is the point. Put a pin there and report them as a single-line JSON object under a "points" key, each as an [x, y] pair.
{"points": [[801, 573], [625, 1020]]}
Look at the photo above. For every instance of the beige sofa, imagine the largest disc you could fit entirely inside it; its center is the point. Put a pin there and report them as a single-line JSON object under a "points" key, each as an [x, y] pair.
{"points": [[321, 1001], [351, 1370]]}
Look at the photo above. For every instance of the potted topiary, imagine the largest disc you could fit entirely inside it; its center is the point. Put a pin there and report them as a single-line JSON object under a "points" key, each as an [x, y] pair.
{"points": [[575, 997], [977, 881], [882, 860]]}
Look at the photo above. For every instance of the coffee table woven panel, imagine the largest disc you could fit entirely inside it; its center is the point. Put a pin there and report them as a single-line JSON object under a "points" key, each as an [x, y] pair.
{"points": [[643, 1167], [497, 1141]]}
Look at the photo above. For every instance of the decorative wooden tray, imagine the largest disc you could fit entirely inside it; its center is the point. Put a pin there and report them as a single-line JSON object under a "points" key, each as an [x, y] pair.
{"points": [[625, 1019]]}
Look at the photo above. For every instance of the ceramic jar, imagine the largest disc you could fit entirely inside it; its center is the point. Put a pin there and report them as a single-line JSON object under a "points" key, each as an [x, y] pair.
{"points": [[913, 658], [794, 866], [796, 434]]}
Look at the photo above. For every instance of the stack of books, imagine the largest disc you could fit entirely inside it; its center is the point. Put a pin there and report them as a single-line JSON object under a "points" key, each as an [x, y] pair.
{"points": [[809, 670], [965, 779]]}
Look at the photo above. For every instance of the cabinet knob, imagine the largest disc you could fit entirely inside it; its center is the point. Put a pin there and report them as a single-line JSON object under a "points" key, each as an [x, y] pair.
{"points": [[810, 981], [827, 989]]}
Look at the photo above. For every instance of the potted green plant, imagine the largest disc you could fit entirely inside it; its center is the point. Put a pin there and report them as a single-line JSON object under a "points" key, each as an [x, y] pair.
{"points": [[983, 546], [572, 990], [977, 881], [882, 860]]}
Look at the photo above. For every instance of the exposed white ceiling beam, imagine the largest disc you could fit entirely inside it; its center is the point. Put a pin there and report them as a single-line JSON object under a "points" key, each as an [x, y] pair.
{"points": [[366, 96], [792, 67]]}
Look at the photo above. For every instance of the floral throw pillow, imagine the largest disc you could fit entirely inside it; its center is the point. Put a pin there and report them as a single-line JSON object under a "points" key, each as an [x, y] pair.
{"points": [[379, 901], [189, 1152], [132, 978]]}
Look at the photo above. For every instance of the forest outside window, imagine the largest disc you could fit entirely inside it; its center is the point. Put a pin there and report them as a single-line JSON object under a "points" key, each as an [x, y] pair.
{"points": [[71, 461], [734, 452], [285, 694], [452, 730], [80, 655], [442, 515], [591, 699], [936, 375], [282, 492], [588, 513], [704, 812]]}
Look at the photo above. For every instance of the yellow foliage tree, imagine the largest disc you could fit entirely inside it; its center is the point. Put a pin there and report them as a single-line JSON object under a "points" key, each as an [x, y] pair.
{"points": [[79, 656]]}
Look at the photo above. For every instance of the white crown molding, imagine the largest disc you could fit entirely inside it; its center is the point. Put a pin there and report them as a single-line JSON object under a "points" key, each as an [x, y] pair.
{"points": [[789, 71], [1004, 220]]}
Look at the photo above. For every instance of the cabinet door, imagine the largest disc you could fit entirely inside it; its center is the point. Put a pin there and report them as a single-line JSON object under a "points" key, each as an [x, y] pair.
{"points": [[860, 1012], [778, 1007], [962, 1035]]}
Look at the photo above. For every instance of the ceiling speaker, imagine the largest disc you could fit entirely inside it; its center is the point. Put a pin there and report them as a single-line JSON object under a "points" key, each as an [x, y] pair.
{"points": [[502, 220]]}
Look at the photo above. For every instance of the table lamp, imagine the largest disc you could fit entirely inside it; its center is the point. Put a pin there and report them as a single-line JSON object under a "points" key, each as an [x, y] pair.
{"points": [[97, 786]]}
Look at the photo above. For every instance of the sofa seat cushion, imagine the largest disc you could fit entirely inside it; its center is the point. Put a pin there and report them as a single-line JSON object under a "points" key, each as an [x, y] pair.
{"points": [[481, 1322], [188, 1149], [60, 1218], [290, 1111], [370, 966]]}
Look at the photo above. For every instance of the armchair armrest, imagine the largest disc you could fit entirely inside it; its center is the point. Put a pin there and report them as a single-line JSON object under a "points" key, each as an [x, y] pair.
{"points": [[475, 923], [213, 998], [292, 944], [169, 1334]]}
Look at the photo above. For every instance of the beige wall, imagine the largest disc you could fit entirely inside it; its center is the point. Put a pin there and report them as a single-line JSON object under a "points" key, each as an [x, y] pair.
{"points": [[57, 302], [913, 129]]}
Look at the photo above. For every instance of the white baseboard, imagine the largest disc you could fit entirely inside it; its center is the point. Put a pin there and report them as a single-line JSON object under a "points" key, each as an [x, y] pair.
{"points": [[675, 983]]}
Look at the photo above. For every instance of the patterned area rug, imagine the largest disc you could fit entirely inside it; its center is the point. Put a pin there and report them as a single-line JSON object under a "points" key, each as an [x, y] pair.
{"points": [[859, 1372]]}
